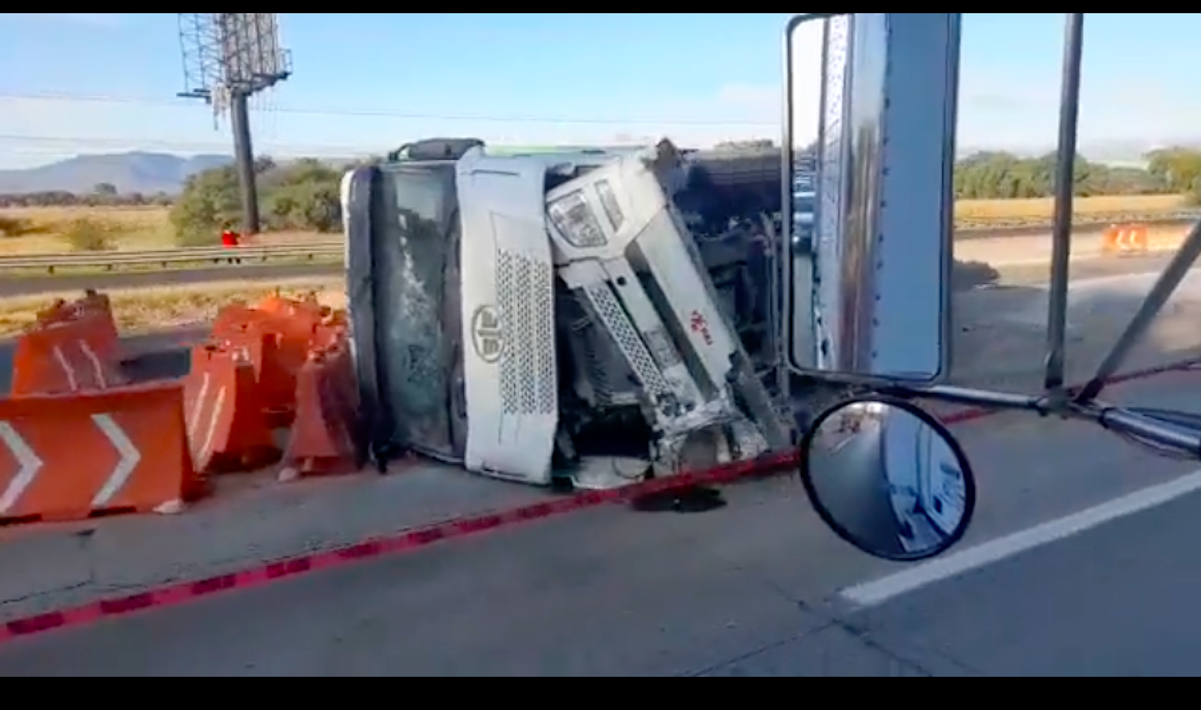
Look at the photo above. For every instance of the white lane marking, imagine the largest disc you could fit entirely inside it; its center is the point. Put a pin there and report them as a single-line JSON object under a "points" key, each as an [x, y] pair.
{"points": [[28, 463], [130, 457], [877, 592]]}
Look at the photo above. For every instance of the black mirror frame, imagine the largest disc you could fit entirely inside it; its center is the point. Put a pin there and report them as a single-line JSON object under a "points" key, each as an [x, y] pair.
{"points": [[969, 476]]}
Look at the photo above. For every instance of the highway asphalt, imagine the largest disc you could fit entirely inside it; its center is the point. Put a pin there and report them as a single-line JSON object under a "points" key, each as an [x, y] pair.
{"points": [[757, 587], [1037, 274]]}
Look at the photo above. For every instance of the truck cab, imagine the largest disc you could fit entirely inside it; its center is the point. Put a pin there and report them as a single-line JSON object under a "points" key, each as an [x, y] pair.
{"points": [[520, 314]]}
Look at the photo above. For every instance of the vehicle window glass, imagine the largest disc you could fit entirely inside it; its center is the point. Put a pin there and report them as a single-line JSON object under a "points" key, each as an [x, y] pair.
{"points": [[412, 255]]}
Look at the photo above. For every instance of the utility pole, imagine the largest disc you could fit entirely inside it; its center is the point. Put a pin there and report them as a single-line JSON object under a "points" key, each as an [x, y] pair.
{"points": [[239, 121]]}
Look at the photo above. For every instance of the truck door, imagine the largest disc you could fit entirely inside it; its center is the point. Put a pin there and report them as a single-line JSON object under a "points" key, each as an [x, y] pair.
{"points": [[510, 372]]}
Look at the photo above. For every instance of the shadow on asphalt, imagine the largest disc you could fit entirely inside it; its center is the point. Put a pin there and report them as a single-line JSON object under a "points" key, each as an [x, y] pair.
{"points": [[1000, 334]]}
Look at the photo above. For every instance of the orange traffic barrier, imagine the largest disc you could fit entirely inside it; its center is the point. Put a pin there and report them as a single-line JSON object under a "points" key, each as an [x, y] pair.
{"points": [[254, 347], [70, 457], [96, 311], [72, 347], [325, 433], [62, 357], [276, 336], [262, 365], [226, 426], [1125, 239]]}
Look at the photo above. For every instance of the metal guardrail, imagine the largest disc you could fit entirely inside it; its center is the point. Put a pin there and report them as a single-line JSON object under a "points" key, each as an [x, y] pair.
{"points": [[112, 260], [166, 257]]}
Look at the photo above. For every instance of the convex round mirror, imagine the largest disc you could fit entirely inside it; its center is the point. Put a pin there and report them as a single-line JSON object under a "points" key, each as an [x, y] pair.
{"points": [[888, 478]]}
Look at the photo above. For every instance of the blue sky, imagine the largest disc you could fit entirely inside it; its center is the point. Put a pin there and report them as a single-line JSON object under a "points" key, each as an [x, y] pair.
{"points": [[72, 83]]}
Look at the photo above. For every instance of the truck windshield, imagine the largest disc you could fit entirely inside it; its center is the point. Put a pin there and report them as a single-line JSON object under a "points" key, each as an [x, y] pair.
{"points": [[416, 246]]}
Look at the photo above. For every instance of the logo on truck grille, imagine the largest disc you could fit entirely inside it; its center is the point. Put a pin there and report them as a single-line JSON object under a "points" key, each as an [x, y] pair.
{"points": [[486, 335]]}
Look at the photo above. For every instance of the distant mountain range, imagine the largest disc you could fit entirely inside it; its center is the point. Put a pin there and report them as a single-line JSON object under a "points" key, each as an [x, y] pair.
{"points": [[151, 173], [147, 173]]}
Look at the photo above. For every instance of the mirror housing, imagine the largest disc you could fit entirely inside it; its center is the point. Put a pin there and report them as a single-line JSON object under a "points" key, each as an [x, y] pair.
{"points": [[888, 478], [868, 159]]}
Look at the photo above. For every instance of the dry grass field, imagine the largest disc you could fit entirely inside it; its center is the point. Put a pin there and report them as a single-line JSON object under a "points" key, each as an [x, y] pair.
{"points": [[42, 230], [28, 230], [1036, 211], [163, 308], [45, 229]]}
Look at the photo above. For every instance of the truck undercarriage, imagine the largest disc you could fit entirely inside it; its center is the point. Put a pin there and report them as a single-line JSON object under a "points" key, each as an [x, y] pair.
{"points": [[593, 317]]}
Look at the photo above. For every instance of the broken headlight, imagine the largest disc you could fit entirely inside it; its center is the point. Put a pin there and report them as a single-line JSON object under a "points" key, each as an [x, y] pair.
{"points": [[575, 219]]}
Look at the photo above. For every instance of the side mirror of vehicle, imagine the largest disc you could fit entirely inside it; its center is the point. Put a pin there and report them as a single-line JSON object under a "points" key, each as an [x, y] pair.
{"points": [[869, 152], [888, 478]]}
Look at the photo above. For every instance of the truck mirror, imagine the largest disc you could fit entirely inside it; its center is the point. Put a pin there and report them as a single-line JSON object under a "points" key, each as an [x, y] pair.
{"points": [[888, 478], [869, 151]]}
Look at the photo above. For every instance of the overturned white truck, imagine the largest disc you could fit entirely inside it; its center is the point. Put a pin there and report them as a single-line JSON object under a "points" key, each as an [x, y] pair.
{"points": [[601, 317], [593, 317]]}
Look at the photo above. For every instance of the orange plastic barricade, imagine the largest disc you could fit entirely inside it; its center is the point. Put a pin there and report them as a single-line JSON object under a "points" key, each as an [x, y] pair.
{"points": [[226, 427], [72, 347], [96, 311], [295, 322], [70, 457], [102, 330], [276, 335], [1125, 239], [260, 355], [61, 357], [325, 434], [274, 375]]}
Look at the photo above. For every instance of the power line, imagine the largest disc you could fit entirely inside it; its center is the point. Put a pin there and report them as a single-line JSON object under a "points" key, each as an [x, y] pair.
{"points": [[58, 143], [368, 113]]}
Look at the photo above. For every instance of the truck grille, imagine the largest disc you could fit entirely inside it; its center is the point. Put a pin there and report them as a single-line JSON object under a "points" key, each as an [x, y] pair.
{"points": [[527, 371], [618, 324]]}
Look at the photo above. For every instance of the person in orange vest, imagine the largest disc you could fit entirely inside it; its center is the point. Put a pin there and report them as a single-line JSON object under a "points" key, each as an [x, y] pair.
{"points": [[229, 240]]}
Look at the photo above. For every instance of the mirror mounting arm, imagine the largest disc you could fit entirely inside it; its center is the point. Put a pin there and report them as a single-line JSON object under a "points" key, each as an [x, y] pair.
{"points": [[1167, 283], [1065, 189], [1114, 418], [974, 398], [1141, 426]]}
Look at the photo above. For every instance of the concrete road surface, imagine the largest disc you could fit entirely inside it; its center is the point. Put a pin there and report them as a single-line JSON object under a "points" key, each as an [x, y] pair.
{"points": [[758, 587], [1036, 248]]}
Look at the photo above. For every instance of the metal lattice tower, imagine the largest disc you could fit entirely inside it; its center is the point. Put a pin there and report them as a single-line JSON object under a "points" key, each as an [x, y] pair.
{"points": [[235, 52], [227, 58]]}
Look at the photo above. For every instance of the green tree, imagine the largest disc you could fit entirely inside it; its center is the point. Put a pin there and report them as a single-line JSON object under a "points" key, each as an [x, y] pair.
{"points": [[303, 195], [210, 202], [1179, 169], [999, 175]]}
